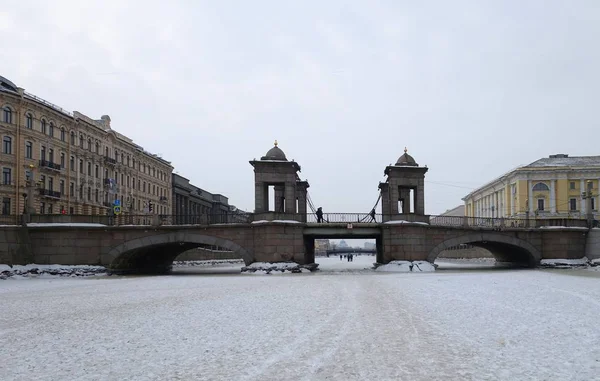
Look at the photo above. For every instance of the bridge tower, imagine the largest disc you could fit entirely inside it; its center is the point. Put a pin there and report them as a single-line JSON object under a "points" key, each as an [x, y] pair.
{"points": [[402, 194], [274, 169]]}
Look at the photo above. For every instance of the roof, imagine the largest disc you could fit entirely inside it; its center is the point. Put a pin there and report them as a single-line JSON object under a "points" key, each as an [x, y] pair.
{"points": [[562, 160], [553, 161], [274, 153], [6, 84]]}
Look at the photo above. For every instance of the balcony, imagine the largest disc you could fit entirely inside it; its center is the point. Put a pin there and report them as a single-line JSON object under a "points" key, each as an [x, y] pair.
{"points": [[110, 161], [49, 193], [50, 165], [163, 199]]}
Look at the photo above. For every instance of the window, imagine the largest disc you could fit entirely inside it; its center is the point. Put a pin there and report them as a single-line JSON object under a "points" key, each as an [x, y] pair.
{"points": [[49, 208], [573, 204], [62, 159], [128, 158], [122, 182], [72, 163], [43, 153], [106, 151], [89, 168], [51, 155], [7, 145], [29, 121], [144, 189], [97, 172], [572, 185], [43, 181], [80, 165], [62, 187], [28, 150], [43, 128], [97, 198], [5, 206], [42, 208], [105, 173], [50, 183], [6, 176], [51, 129], [540, 187], [97, 147], [62, 134], [71, 190], [90, 145], [72, 138], [7, 114], [71, 210], [89, 194], [81, 141], [593, 203]]}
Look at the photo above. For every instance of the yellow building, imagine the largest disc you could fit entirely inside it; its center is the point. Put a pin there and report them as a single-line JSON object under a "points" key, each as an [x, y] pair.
{"points": [[552, 187], [54, 161]]}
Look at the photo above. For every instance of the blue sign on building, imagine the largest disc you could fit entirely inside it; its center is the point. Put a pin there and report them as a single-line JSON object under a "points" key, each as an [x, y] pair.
{"points": [[117, 203]]}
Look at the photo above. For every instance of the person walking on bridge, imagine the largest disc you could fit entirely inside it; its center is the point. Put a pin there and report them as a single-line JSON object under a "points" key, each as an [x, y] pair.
{"points": [[372, 215], [319, 214]]}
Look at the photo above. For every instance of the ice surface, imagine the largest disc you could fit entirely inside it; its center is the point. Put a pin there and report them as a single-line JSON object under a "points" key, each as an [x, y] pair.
{"points": [[353, 325]]}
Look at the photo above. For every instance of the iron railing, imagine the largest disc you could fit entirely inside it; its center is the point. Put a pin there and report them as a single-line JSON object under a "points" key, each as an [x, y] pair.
{"points": [[328, 218]]}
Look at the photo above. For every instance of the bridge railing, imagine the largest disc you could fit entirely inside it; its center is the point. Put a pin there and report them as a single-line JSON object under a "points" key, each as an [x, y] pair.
{"points": [[244, 218], [506, 222], [344, 218]]}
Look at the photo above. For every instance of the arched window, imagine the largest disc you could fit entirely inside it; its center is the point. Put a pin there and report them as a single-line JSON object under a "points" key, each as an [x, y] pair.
{"points": [[7, 114], [97, 147], [51, 129], [28, 150], [7, 145], [29, 121], [62, 134], [81, 141], [540, 187], [43, 128], [72, 138], [89, 144]]}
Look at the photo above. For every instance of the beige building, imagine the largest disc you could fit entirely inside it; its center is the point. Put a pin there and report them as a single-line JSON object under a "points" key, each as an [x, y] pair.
{"points": [[54, 161], [558, 186]]}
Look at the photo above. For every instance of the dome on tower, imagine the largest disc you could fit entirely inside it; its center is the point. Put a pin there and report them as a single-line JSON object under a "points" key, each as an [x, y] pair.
{"points": [[406, 160], [275, 153]]}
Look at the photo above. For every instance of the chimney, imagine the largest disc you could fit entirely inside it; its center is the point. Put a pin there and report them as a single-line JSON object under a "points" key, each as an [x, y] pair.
{"points": [[559, 156]]}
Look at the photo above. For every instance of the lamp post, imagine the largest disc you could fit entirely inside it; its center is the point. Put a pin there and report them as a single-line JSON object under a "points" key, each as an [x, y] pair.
{"points": [[587, 196]]}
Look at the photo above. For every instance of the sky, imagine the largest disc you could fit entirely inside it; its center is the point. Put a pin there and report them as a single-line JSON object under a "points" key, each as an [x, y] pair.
{"points": [[471, 88]]}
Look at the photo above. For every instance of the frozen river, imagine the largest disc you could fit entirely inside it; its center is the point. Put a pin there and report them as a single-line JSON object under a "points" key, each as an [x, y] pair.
{"points": [[215, 324]]}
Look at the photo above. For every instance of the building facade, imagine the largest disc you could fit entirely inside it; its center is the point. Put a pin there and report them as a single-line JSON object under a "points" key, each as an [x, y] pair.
{"points": [[558, 186], [57, 162], [193, 205]]}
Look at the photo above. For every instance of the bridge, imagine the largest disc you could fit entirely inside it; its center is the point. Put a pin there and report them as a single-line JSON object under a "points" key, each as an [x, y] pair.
{"points": [[287, 231], [351, 250]]}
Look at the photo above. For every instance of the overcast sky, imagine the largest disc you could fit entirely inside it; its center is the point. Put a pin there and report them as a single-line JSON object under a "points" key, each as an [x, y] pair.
{"points": [[472, 88]]}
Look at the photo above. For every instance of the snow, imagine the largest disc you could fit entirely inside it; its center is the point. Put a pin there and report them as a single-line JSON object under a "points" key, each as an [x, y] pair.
{"points": [[277, 221], [39, 224], [406, 266], [352, 325], [564, 227], [34, 270], [397, 222], [565, 262]]}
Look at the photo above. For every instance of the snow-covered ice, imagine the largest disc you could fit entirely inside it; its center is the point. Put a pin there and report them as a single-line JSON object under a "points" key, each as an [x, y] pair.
{"points": [[328, 325]]}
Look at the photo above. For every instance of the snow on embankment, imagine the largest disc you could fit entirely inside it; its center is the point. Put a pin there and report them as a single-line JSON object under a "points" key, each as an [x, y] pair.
{"points": [[278, 268], [406, 267], [34, 271]]}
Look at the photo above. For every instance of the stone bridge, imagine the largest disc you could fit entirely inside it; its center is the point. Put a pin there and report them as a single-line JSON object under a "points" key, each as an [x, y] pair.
{"points": [[147, 249]]}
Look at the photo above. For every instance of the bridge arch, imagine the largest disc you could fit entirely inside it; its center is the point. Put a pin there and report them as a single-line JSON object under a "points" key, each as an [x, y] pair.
{"points": [[155, 253], [504, 248]]}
